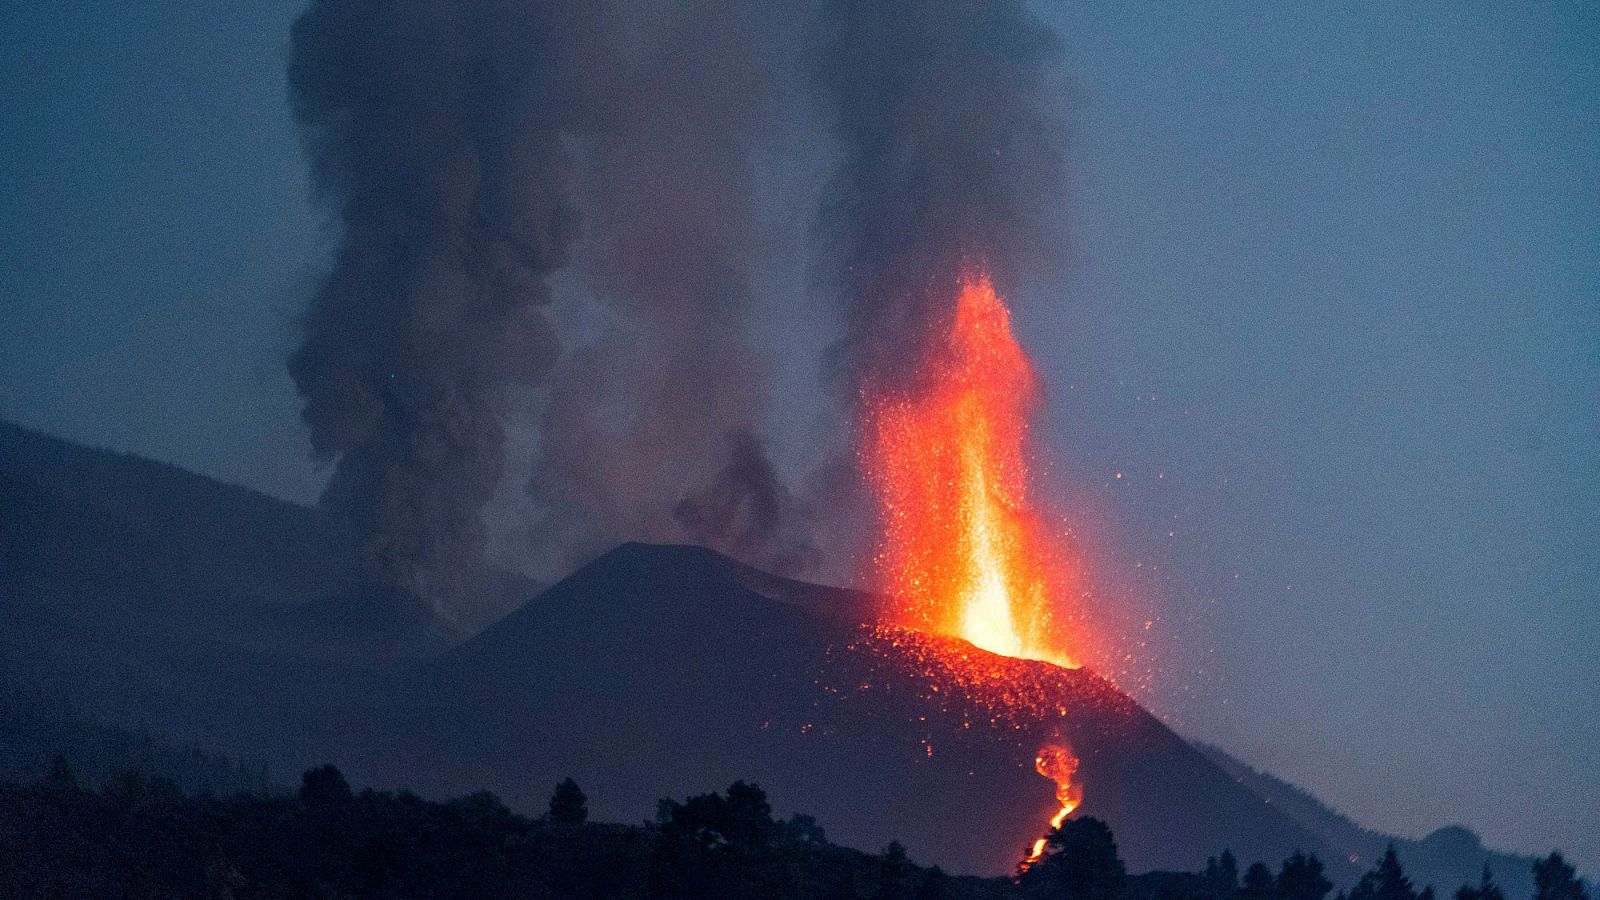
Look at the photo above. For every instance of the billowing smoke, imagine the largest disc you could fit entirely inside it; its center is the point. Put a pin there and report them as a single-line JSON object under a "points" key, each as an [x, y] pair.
{"points": [[434, 132], [949, 158], [468, 150], [457, 143], [645, 414], [748, 512]]}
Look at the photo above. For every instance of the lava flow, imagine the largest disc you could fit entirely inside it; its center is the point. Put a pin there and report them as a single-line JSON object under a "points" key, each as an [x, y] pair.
{"points": [[1059, 765], [963, 553]]}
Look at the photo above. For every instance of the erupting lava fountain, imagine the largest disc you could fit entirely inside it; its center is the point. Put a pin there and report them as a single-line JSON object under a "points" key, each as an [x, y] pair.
{"points": [[963, 553]]}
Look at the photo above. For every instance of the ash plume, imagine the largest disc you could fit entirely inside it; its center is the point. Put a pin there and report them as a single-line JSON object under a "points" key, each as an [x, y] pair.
{"points": [[434, 133], [949, 158], [641, 416], [748, 512], [458, 146]]}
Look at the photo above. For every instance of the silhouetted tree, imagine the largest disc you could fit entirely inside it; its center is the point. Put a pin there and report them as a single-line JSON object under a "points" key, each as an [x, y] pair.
{"points": [[568, 805], [1222, 874], [1301, 878], [383, 844], [714, 846], [803, 829], [127, 788], [894, 871], [742, 819], [1486, 889], [1555, 879], [935, 885], [843, 887], [324, 784], [1258, 883], [1079, 862], [1387, 881], [749, 815]]}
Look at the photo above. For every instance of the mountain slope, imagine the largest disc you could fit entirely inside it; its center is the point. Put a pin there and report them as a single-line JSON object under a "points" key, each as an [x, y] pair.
{"points": [[195, 610], [662, 671], [150, 595], [36, 731]]}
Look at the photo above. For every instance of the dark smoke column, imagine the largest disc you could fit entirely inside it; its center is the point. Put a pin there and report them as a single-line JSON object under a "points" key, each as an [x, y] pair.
{"points": [[651, 431], [949, 158], [433, 131]]}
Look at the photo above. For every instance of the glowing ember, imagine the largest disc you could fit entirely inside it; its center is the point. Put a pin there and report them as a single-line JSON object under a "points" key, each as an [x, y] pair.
{"points": [[1059, 765], [963, 553]]}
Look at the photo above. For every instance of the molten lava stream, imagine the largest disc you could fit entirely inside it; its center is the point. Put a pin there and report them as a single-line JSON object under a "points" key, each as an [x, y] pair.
{"points": [[1059, 765]]}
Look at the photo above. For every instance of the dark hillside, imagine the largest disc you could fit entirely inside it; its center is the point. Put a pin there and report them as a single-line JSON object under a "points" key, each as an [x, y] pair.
{"points": [[661, 671], [153, 596]]}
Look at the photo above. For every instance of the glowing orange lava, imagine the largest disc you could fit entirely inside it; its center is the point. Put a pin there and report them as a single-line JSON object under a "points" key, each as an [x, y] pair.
{"points": [[963, 553], [1059, 765]]}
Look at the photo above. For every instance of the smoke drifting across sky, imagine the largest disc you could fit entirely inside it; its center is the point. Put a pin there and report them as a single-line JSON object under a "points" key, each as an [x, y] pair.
{"points": [[471, 150], [948, 158]]}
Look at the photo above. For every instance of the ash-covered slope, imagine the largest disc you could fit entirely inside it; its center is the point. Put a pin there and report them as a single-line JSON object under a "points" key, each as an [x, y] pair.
{"points": [[663, 671]]}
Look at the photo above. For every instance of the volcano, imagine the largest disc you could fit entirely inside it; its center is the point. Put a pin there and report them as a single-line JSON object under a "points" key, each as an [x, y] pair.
{"points": [[662, 671], [198, 612]]}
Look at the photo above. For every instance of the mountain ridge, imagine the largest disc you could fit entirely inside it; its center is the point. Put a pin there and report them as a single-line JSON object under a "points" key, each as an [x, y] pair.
{"points": [[1450, 854]]}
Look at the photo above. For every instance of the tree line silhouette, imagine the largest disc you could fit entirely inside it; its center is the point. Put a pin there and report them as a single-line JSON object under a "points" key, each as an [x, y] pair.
{"points": [[145, 837]]}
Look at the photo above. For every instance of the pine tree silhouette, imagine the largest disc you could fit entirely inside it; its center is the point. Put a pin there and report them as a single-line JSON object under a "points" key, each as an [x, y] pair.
{"points": [[568, 805]]}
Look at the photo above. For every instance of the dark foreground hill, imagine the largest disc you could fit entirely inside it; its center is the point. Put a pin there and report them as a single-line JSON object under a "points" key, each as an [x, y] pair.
{"points": [[141, 837]]}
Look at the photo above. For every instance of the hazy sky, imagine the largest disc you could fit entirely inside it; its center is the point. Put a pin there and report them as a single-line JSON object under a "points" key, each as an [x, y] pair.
{"points": [[1332, 309]]}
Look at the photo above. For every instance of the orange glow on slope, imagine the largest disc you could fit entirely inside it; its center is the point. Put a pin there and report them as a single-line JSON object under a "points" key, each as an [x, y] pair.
{"points": [[963, 553], [1059, 765]]}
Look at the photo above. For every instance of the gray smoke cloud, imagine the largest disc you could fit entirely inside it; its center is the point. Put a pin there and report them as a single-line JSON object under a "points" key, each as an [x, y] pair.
{"points": [[670, 400], [459, 145], [434, 134], [949, 157], [749, 513], [470, 150]]}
